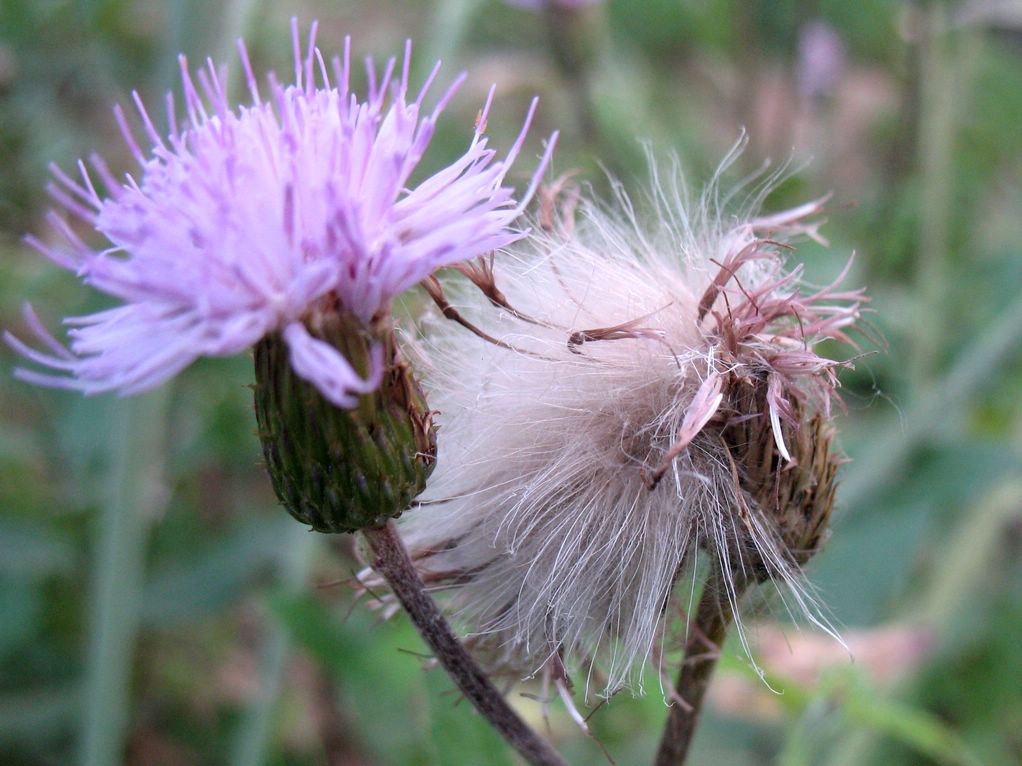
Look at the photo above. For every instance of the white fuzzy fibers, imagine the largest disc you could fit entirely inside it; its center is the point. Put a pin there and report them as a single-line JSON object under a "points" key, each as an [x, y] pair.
{"points": [[539, 520]]}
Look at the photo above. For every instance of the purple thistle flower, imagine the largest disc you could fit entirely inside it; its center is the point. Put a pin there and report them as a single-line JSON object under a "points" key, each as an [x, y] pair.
{"points": [[247, 219]]}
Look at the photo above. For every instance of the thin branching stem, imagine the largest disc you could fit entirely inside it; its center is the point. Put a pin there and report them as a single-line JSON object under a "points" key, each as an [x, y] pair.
{"points": [[391, 561], [702, 649]]}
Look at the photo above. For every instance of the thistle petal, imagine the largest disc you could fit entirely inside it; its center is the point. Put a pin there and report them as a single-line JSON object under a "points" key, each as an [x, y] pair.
{"points": [[251, 218]]}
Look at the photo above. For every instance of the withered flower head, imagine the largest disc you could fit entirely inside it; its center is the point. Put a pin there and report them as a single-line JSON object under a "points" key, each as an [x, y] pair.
{"points": [[650, 395]]}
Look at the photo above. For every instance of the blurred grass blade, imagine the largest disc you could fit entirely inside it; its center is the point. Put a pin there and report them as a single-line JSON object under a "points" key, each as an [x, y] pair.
{"points": [[940, 73], [974, 368], [451, 20], [962, 572], [134, 495], [920, 730], [236, 16], [964, 565]]}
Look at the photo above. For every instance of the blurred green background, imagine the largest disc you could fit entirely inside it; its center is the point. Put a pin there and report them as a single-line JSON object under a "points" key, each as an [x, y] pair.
{"points": [[156, 607]]}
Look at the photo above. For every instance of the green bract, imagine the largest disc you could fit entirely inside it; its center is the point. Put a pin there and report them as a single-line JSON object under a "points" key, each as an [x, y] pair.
{"points": [[341, 470]]}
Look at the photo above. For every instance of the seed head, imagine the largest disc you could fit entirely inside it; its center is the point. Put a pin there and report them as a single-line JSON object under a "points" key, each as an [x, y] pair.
{"points": [[654, 394]]}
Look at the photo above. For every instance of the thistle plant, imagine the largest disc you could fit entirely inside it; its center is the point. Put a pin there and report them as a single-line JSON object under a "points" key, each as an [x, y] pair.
{"points": [[629, 402], [642, 407], [289, 225]]}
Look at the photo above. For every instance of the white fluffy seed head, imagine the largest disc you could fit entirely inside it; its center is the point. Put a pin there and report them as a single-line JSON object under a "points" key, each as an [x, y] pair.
{"points": [[588, 455]]}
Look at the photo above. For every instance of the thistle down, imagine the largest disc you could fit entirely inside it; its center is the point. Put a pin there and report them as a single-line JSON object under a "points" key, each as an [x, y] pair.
{"points": [[645, 398]]}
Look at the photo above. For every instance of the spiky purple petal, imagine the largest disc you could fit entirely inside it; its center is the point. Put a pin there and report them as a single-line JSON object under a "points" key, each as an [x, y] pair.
{"points": [[246, 218]]}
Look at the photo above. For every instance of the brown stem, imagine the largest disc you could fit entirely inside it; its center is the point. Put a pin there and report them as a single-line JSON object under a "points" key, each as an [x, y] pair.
{"points": [[706, 637], [392, 562]]}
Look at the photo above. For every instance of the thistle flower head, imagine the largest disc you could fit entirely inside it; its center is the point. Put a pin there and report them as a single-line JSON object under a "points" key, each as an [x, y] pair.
{"points": [[245, 221], [653, 395]]}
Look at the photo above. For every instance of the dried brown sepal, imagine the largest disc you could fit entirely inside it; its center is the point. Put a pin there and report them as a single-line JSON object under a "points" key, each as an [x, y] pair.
{"points": [[792, 499]]}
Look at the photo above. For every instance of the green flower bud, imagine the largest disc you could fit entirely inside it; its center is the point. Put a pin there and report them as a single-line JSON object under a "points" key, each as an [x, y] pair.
{"points": [[342, 470]]}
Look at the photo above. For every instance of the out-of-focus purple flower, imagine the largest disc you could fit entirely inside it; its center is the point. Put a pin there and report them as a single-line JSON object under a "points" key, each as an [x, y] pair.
{"points": [[247, 219], [538, 5], [821, 59]]}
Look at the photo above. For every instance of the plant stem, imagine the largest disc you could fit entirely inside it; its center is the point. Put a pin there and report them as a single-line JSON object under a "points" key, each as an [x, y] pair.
{"points": [[939, 79], [702, 649], [133, 435], [392, 562]]}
